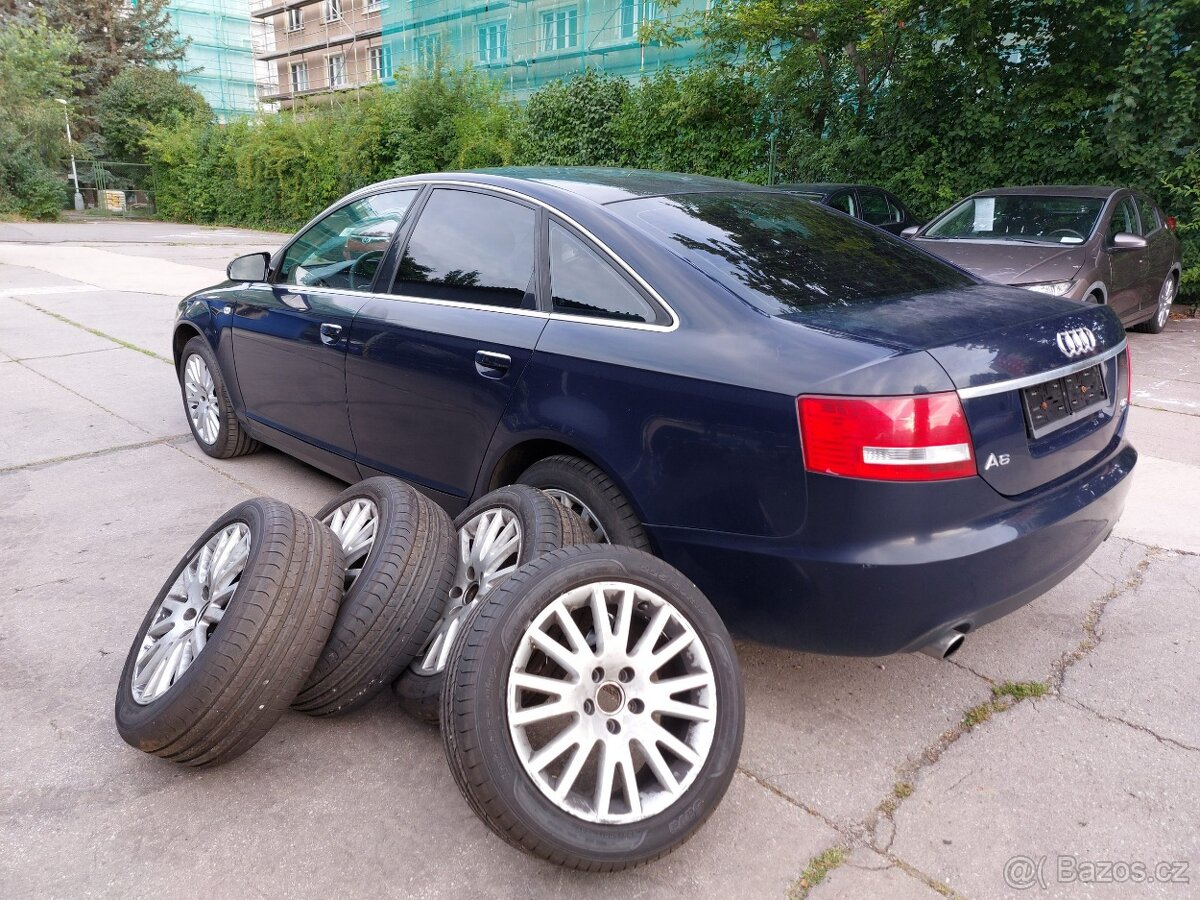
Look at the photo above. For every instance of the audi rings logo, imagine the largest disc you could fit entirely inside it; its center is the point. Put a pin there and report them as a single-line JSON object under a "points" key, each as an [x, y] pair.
{"points": [[1076, 341]]}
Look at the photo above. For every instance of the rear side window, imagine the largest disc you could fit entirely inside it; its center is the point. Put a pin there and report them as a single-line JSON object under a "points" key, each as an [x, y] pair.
{"points": [[844, 202], [782, 254], [876, 209], [1149, 215], [469, 247], [1123, 219], [583, 284]]}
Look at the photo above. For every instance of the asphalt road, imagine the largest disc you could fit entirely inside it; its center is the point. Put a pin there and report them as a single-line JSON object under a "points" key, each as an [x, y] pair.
{"points": [[907, 766]]}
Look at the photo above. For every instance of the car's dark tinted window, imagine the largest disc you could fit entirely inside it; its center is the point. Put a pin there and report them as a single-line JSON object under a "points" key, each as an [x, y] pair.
{"points": [[1149, 215], [1124, 219], [782, 253], [343, 249], [583, 284], [844, 202], [470, 248], [876, 209]]}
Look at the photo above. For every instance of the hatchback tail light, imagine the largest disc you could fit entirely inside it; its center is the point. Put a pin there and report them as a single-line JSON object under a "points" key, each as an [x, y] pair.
{"points": [[918, 438]]}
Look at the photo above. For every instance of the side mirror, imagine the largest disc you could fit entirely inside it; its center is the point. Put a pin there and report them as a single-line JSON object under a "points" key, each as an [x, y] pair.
{"points": [[1123, 240], [251, 267], [910, 231]]}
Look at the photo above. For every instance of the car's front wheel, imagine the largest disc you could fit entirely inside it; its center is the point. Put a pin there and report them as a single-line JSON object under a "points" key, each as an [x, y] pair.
{"points": [[1162, 312], [590, 494], [206, 402]]}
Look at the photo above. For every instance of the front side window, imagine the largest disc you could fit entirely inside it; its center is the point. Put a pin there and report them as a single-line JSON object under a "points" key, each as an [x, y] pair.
{"points": [[470, 248], [583, 284], [1148, 215], [876, 209], [1124, 219], [1021, 218], [493, 42], [783, 254], [299, 77], [336, 70], [559, 29], [344, 249]]}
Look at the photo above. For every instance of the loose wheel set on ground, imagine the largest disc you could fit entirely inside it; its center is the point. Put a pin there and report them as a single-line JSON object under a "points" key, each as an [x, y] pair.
{"points": [[589, 697]]}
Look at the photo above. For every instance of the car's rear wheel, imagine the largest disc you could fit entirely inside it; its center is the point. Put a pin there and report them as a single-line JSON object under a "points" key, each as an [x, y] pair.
{"points": [[498, 533], [593, 710], [591, 494], [206, 403], [1162, 312]]}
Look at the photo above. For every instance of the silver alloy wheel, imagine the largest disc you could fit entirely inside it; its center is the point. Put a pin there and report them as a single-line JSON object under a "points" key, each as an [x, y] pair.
{"points": [[581, 509], [611, 703], [489, 550], [201, 393], [1166, 297], [187, 615], [355, 523]]}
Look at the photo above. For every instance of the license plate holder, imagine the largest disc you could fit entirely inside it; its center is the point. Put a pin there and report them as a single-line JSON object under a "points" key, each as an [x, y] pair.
{"points": [[1056, 403]]}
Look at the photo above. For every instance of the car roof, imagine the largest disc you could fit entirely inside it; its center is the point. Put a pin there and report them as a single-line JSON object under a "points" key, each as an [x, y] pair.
{"points": [[819, 187], [1053, 190]]}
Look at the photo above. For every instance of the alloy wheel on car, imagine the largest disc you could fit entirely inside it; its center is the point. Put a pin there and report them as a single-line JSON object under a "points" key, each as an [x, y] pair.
{"points": [[200, 391], [1166, 296]]}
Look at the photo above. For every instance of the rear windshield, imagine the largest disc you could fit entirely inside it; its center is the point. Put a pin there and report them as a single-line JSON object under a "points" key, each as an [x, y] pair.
{"points": [[783, 253]]}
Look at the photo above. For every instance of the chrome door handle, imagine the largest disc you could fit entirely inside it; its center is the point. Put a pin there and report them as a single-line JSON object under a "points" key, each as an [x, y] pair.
{"points": [[330, 333], [492, 365]]}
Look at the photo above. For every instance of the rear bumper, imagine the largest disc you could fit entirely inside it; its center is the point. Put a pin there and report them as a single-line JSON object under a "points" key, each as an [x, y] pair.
{"points": [[890, 566]]}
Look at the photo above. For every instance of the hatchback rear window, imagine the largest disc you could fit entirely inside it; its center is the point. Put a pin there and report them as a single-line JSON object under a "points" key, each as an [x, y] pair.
{"points": [[783, 253]]}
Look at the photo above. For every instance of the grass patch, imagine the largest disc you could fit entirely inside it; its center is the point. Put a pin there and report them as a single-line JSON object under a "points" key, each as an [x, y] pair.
{"points": [[977, 715], [815, 872], [902, 789], [1021, 690]]}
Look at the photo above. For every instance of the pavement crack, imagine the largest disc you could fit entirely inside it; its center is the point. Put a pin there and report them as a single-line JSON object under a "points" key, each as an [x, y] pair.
{"points": [[85, 399], [762, 782], [95, 331], [91, 454], [1117, 720]]}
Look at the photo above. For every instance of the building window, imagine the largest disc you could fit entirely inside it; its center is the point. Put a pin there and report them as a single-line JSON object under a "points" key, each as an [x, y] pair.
{"points": [[426, 49], [374, 6], [295, 18], [634, 13], [299, 77], [559, 29], [333, 10], [493, 42], [335, 70], [381, 62]]}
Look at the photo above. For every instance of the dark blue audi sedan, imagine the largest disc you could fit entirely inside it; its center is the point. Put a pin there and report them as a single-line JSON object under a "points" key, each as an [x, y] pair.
{"points": [[851, 446]]}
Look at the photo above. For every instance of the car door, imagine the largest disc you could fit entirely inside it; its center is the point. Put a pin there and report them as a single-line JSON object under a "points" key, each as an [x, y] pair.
{"points": [[289, 337], [1127, 268], [1159, 256], [877, 211], [432, 364]]}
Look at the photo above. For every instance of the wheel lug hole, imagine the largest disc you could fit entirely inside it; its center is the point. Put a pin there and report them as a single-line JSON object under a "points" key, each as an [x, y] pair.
{"points": [[189, 614], [456, 592], [613, 726], [589, 707], [471, 572], [625, 675], [636, 705], [597, 675]]}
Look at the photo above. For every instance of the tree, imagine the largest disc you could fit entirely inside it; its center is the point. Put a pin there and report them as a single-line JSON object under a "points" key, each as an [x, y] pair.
{"points": [[35, 69], [138, 98]]}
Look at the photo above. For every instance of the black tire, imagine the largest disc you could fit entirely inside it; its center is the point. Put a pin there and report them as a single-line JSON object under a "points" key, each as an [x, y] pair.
{"points": [[596, 492], [1152, 325], [257, 655], [231, 439], [475, 716], [391, 606], [546, 525]]}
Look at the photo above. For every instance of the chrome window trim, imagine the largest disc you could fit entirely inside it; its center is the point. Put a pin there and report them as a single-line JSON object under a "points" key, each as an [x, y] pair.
{"points": [[599, 244], [1015, 384]]}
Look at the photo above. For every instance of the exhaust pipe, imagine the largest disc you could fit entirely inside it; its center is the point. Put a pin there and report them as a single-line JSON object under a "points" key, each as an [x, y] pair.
{"points": [[945, 645]]}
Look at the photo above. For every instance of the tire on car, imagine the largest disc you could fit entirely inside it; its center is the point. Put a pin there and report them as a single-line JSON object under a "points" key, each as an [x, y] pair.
{"points": [[592, 713], [400, 550], [232, 635], [590, 493], [496, 534], [207, 406]]}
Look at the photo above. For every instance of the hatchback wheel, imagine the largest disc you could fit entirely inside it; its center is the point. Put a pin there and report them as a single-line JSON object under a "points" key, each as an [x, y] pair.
{"points": [[400, 548], [585, 489], [593, 712], [498, 533], [1162, 312], [206, 402], [232, 635]]}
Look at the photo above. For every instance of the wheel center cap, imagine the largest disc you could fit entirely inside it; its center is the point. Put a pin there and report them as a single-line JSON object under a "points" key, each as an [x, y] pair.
{"points": [[610, 698]]}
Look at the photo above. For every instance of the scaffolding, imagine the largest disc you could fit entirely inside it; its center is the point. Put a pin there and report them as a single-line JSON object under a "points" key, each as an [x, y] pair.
{"points": [[219, 60]]}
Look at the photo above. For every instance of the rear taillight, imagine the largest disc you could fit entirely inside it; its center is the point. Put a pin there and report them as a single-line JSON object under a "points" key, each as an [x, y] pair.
{"points": [[919, 438], [1171, 222]]}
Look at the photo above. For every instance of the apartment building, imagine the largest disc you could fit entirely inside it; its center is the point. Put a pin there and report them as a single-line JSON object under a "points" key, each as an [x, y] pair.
{"points": [[217, 60], [313, 48]]}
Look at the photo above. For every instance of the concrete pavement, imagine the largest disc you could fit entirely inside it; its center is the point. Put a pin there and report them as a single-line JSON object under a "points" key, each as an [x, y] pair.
{"points": [[896, 777]]}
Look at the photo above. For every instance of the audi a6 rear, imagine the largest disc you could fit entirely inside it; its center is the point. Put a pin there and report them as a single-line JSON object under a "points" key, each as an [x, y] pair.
{"points": [[848, 444]]}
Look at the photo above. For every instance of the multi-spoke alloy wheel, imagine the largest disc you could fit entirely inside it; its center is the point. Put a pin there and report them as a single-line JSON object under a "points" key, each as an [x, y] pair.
{"points": [[1166, 296], [201, 396], [189, 612], [399, 549], [496, 534], [581, 509], [614, 728], [231, 636], [588, 492]]}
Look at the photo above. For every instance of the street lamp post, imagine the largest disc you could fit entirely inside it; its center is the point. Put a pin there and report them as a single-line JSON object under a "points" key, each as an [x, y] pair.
{"points": [[71, 144]]}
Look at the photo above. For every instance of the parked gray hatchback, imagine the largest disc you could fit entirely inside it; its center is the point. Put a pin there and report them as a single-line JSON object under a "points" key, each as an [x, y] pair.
{"points": [[1100, 244]]}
